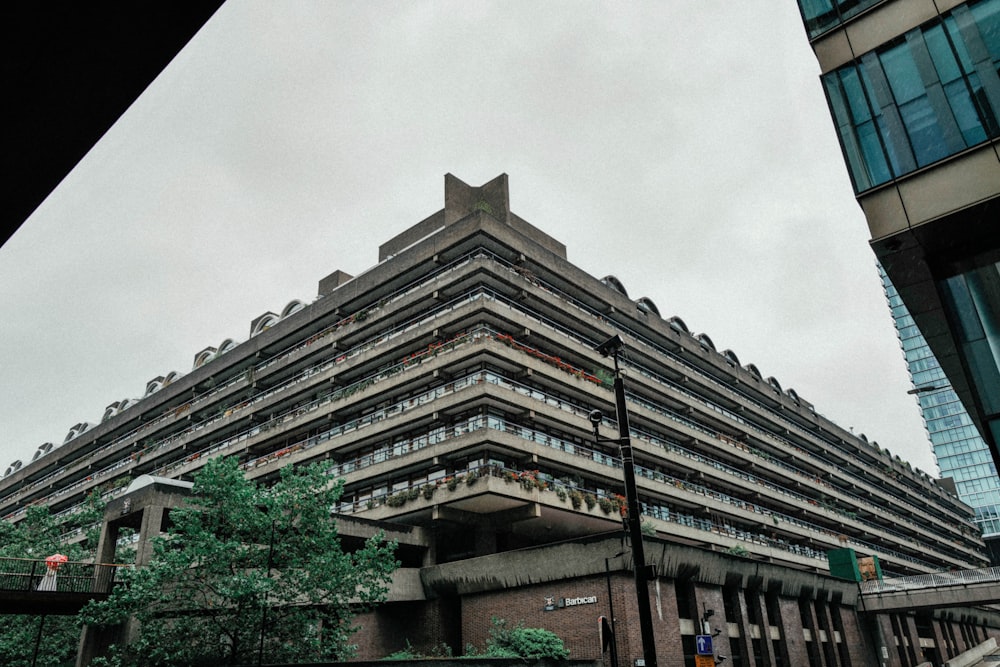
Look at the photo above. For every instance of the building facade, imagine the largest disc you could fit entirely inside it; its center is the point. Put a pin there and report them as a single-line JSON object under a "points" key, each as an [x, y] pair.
{"points": [[914, 92], [960, 451], [450, 386]]}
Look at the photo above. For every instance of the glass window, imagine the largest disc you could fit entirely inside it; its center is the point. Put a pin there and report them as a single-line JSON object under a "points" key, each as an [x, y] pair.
{"points": [[918, 100], [819, 15], [858, 135], [987, 18]]}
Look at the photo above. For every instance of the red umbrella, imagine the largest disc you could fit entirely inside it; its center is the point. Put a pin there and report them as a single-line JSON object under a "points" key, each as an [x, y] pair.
{"points": [[55, 560]]}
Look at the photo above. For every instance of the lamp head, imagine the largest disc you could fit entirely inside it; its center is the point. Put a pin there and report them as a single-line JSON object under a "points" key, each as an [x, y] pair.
{"points": [[610, 346]]}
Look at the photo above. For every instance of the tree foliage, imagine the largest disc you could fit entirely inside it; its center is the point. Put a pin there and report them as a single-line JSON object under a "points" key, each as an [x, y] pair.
{"points": [[244, 564], [36, 536]]}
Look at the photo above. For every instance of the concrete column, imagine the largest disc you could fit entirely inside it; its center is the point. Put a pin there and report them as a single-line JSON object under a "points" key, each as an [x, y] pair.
{"points": [[886, 650], [940, 640], [908, 626], [824, 624], [107, 542], [152, 521], [744, 602], [792, 636], [857, 641]]}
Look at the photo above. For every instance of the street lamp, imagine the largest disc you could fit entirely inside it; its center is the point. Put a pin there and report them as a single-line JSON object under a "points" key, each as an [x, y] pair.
{"points": [[263, 619], [643, 573]]}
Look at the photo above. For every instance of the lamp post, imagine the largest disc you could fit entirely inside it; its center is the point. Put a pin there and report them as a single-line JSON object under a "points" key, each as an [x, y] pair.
{"points": [[611, 348], [263, 619]]}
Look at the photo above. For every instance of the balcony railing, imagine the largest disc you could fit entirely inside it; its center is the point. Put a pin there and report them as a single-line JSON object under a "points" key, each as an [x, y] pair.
{"points": [[22, 574]]}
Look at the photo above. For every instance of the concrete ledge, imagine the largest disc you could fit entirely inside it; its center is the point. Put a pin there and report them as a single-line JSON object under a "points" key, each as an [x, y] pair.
{"points": [[973, 656]]}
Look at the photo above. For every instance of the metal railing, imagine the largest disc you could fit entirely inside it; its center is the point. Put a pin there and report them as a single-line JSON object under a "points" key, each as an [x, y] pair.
{"points": [[24, 574], [987, 575]]}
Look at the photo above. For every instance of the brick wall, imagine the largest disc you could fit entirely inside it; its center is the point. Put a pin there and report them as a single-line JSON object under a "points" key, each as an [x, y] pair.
{"points": [[432, 627], [576, 625], [428, 626]]}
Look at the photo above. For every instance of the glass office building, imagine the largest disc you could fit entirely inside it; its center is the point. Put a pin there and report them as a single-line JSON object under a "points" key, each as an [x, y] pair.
{"points": [[914, 93], [931, 93], [961, 452]]}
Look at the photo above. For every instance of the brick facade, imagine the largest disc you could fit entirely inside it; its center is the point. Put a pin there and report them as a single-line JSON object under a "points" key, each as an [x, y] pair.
{"points": [[838, 635]]}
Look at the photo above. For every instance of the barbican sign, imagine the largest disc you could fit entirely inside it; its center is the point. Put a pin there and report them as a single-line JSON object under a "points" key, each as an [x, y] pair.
{"points": [[551, 605]]}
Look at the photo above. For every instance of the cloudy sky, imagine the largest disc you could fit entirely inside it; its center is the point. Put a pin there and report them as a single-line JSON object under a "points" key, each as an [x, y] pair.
{"points": [[683, 146]]}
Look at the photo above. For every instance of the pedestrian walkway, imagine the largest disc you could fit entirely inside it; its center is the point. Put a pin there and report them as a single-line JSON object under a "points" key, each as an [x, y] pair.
{"points": [[939, 590], [30, 586]]}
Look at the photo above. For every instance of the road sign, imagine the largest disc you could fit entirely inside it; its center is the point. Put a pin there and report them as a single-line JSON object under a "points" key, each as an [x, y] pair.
{"points": [[704, 661], [703, 645]]}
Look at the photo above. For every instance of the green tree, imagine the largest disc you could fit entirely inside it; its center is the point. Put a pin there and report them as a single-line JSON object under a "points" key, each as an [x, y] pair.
{"points": [[35, 537], [245, 564]]}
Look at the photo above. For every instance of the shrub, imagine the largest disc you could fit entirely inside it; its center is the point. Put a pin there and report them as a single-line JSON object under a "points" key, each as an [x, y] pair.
{"points": [[522, 642], [405, 653]]}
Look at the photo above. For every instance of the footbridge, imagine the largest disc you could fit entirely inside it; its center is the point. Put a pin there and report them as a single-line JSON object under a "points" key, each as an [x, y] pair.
{"points": [[961, 588], [34, 587]]}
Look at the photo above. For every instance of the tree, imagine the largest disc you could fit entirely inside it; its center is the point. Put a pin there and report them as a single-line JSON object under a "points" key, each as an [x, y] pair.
{"points": [[36, 536], [247, 569]]}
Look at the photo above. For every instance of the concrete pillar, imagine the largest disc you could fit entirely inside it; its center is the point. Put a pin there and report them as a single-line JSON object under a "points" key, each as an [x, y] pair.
{"points": [[824, 624], [886, 649], [940, 640], [857, 641], [106, 542], [791, 632], [911, 638], [743, 603], [152, 522]]}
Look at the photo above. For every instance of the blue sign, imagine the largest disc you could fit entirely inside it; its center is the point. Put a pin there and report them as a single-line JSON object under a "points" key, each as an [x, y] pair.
{"points": [[703, 645]]}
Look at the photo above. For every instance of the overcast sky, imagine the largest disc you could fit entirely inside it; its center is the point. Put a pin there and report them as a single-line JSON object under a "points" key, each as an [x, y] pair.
{"points": [[683, 146]]}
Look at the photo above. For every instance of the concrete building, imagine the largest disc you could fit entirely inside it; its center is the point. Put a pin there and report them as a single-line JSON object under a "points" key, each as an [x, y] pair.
{"points": [[914, 92], [962, 454], [450, 386]]}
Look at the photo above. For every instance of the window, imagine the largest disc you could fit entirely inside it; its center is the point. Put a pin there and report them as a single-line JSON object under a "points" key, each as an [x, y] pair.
{"points": [[928, 95]]}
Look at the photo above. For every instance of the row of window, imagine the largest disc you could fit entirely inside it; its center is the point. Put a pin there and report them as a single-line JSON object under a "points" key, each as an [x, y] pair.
{"points": [[823, 15], [929, 94]]}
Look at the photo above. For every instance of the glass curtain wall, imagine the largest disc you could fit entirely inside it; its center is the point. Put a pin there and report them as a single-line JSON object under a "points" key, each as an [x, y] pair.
{"points": [[960, 451], [822, 15], [920, 98]]}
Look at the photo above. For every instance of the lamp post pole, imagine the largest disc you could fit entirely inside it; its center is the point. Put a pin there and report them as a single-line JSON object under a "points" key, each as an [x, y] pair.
{"points": [[612, 347], [263, 618]]}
